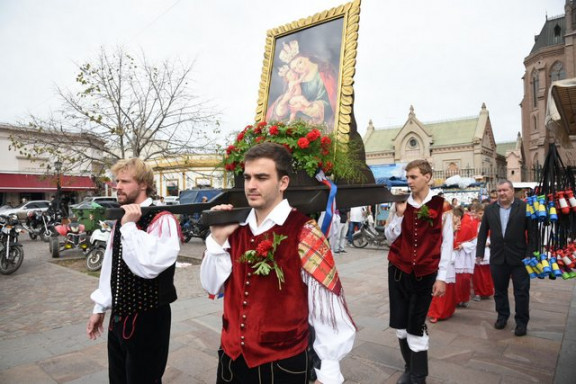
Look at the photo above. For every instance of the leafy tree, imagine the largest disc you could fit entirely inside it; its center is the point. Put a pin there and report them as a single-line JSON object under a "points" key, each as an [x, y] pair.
{"points": [[122, 107]]}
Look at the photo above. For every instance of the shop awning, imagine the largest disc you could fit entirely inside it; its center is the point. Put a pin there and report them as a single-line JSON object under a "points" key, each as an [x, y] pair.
{"points": [[561, 110], [11, 182]]}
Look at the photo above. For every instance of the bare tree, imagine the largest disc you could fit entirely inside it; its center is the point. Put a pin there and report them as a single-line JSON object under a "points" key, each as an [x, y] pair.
{"points": [[122, 108]]}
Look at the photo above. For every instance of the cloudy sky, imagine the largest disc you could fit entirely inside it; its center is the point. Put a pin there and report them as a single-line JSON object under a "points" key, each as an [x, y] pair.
{"points": [[444, 57]]}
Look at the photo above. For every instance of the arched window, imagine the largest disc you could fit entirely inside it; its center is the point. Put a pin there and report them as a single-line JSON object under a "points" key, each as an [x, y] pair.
{"points": [[535, 87], [557, 72], [413, 148]]}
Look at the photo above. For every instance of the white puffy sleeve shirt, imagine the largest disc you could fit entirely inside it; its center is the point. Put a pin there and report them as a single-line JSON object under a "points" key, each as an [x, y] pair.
{"points": [[332, 343], [394, 230], [147, 254]]}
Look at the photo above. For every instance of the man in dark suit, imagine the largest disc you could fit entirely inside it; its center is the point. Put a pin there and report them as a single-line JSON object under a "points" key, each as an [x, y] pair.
{"points": [[508, 225]]}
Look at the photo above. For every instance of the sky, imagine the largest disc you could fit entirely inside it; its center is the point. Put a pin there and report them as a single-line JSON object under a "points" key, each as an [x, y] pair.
{"points": [[443, 57]]}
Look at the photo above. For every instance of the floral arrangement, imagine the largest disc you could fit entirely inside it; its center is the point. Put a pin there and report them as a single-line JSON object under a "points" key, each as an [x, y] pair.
{"points": [[310, 147], [426, 214], [262, 258]]}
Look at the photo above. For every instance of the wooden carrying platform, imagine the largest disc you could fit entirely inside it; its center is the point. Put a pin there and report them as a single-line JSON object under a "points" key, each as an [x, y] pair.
{"points": [[307, 199]]}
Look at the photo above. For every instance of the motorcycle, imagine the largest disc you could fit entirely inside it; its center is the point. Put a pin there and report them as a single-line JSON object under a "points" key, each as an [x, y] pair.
{"points": [[39, 223], [75, 237], [368, 233], [98, 241], [11, 251], [191, 228]]}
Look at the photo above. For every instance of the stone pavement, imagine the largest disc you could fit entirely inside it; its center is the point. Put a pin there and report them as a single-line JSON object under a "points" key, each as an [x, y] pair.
{"points": [[44, 308]]}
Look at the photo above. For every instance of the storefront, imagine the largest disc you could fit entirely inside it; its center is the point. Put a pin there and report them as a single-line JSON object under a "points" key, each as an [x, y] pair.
{"points": [[14, 187]]}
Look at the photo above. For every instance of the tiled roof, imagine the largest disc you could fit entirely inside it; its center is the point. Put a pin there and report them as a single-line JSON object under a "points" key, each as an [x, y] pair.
{"points": [[381, 140], [552, 34], [502, 148], [452, 132]]}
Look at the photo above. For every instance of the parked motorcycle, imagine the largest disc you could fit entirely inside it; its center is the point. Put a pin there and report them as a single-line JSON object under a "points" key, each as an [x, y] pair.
{"points": [[75, 237], [11, 251], [191, 228], [41, 224], [98, 240], [368, 233]]}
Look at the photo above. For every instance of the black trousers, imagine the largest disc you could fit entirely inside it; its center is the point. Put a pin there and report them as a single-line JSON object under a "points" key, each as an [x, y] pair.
{"points": [[293, 370], [410, 299], [138, 347], [501, 275]]}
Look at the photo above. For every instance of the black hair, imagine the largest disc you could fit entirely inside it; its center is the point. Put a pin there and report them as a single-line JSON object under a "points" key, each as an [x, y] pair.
{"points": [[276, 152]]}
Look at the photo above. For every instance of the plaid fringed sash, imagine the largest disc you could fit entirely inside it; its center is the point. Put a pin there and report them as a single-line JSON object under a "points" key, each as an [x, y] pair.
{"points": [[317, 258]]}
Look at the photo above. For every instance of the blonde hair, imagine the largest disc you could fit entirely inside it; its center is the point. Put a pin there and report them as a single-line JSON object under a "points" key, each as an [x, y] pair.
{"points": [[142, 172]]}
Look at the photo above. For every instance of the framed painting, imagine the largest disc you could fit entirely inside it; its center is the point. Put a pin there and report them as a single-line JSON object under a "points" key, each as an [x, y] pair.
{"points": [[308, 70]]}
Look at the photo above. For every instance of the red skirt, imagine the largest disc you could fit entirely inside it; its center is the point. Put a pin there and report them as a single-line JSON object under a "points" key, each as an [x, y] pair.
{"points": [[443, 307], [463, 286], [482, 281]]}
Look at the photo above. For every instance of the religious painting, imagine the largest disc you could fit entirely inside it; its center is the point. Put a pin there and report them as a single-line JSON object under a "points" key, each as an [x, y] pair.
{"points": [[308, 70]]}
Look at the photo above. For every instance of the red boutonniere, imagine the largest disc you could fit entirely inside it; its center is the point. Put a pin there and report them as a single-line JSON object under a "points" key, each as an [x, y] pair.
{"points": [[426, 214], [262, 258]]}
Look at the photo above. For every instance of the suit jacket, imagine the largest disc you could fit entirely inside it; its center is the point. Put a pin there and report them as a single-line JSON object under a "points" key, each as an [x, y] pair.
{"points": [[515, 245]]}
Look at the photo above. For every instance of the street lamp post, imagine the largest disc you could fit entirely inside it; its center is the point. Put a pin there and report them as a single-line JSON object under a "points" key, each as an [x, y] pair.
{"points": [[58, 168]]}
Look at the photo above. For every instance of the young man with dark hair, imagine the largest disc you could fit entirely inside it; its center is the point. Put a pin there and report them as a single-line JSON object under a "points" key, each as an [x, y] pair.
{"points": [[137, 281], [420, 252], [266, 320]]}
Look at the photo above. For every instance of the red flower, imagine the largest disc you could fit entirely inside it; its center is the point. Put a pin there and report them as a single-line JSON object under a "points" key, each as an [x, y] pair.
{"points": [[325, 141], [258, 129], [240, 135], [230, 149], [288, 148], [313, 135], [262, 124], [325, 152], [264, 247], [432, 214], [230, 167], [273, 130], [303, 142], [259, 139], [328, 167]]}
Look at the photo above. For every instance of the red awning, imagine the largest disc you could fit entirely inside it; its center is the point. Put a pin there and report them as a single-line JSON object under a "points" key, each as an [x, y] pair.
{"points": [[10, 182]]}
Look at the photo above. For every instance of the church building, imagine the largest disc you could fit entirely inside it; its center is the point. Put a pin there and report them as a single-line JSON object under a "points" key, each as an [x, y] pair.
{"points": [[552, 58], [464, 147]]}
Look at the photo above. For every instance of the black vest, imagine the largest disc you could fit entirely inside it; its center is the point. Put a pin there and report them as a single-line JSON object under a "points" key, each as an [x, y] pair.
{"points": [[131, 293]]}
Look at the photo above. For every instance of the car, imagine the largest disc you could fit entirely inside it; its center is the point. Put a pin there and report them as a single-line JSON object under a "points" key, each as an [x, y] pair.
{"points": [[22, 210], [103, 203], [171, 200], [95, 199]]}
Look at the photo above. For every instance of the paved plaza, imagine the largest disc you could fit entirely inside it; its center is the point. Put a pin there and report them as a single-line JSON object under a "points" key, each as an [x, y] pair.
{"points": [[44, 309]]}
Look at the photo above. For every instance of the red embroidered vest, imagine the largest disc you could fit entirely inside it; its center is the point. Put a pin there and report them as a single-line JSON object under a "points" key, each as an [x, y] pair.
{"points": [[418, 248], [260, 321]]}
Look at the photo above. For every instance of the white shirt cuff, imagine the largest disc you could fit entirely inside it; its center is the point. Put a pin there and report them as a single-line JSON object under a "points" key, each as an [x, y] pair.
{"points": [[98, 309], [214, 248], [330, 372]]}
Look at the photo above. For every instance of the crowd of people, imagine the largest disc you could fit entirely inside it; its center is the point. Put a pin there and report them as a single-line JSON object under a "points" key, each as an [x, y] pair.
{"points": [[283, 298]]}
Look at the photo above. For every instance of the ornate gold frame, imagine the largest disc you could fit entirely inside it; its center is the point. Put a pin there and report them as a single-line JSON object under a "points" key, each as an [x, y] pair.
{"points": [[350, 12]]}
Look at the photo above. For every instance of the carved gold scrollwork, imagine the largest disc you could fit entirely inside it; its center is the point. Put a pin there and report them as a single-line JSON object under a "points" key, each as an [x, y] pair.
{"points": [[350, 12]]}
